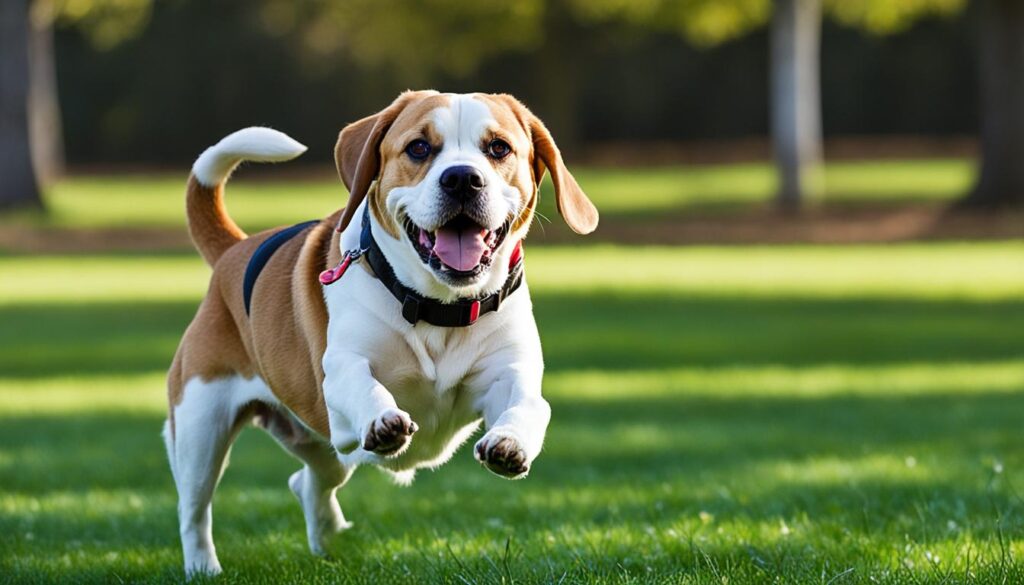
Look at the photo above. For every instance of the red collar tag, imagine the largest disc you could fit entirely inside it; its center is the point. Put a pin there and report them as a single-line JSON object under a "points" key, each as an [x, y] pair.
{"points": [[331, 275]]}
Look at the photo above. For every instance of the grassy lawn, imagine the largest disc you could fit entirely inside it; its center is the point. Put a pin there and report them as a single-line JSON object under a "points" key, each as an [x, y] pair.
{"points": [[98, 202], [743, 414]]}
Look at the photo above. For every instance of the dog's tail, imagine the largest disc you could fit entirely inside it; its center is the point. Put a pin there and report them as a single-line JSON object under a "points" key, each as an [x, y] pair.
{"points": [[212, 229]]}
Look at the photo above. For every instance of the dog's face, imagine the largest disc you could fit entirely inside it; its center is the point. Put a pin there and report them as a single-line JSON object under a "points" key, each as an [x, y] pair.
{"points": [[452, 181]]}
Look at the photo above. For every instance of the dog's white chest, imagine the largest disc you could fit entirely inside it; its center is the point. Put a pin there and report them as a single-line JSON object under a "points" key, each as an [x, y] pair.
{"points": [[439, 376], [444, 356], [426, 372]]}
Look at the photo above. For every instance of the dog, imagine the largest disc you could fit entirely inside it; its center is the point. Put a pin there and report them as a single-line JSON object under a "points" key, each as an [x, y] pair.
{"points": [[383, 334]]}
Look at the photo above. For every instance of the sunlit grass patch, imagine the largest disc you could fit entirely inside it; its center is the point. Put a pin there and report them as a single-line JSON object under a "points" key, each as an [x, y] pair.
{"points": [[157, 200], [46, 279], [793, 382], [980, 271], [146, 393], [67, 395], [658, 189]]}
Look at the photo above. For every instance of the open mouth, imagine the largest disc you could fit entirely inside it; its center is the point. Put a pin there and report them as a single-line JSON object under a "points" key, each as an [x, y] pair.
{"points": [[461, 248]]}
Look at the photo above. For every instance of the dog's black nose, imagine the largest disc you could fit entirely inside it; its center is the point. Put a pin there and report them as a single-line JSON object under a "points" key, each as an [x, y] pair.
{"points": [[462, 182]]}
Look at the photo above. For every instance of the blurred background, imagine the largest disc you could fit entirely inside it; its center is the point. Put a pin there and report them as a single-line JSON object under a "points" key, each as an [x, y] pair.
{"points": [[793, 348]]}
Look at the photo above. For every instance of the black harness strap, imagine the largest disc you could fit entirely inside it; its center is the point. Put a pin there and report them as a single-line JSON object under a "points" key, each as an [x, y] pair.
{"points": [[262, 255], [416, 307]]}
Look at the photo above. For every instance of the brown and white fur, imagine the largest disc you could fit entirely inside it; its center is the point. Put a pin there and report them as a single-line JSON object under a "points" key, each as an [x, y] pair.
{"points": [[335, 373]]}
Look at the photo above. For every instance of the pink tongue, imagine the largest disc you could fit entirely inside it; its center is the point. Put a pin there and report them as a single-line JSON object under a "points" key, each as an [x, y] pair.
{"points": [[460, 250]]}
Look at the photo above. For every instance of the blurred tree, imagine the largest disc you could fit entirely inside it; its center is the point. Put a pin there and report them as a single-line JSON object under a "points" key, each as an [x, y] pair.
{"points": [[447, 37], [705, 23], [796, 101], [18, 186], [795, 49], [106, 24], [415, 38], [884, 17], [45, 129], [1000, 182], [457, 38], [31, 144], [415, 41]]}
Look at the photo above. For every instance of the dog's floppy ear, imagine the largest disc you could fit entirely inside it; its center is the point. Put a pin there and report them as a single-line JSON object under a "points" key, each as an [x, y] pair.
{"points": [[357, 153], [574, 205]]}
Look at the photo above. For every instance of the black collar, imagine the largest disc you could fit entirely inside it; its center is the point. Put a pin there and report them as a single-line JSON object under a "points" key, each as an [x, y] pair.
{"points": [[416, 307]]}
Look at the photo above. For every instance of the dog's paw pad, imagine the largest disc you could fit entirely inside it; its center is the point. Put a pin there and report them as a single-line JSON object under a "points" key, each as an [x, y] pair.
{"points": [[390, 433], [502, 455]]}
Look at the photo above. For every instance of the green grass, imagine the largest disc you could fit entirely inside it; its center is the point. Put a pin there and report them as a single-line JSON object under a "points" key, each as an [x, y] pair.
{"points": [[720, 414], [148, 201]]}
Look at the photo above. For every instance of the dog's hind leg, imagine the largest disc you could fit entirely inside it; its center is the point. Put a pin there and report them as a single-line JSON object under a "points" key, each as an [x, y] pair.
{"points": [[317, 483], [205, 424]]}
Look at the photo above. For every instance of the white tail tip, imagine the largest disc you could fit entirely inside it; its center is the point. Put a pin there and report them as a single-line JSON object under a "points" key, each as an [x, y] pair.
{"points": [[255, 144]]}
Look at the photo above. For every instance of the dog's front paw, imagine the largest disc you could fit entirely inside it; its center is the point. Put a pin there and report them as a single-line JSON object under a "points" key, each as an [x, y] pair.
{"points": [[502, 454], [390, 433]]}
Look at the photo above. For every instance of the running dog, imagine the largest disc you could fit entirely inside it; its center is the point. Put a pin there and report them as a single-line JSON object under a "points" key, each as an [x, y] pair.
{"points": [[383, 334]]}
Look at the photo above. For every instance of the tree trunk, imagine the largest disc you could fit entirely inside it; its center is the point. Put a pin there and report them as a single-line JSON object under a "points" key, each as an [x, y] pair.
{"points": [[18, 187], [1001, 179], [45, 132], [796, 101]]}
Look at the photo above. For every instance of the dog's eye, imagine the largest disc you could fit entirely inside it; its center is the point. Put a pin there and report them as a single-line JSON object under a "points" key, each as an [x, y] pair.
{"points": [[418, 149], [498, 148]]}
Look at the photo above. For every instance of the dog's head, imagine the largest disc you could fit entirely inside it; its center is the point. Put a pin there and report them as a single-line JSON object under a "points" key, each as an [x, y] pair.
{"points": [[451, 184]]}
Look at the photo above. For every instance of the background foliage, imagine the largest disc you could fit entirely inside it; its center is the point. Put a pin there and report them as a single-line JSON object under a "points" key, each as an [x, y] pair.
{"points": [[596, 71]]}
